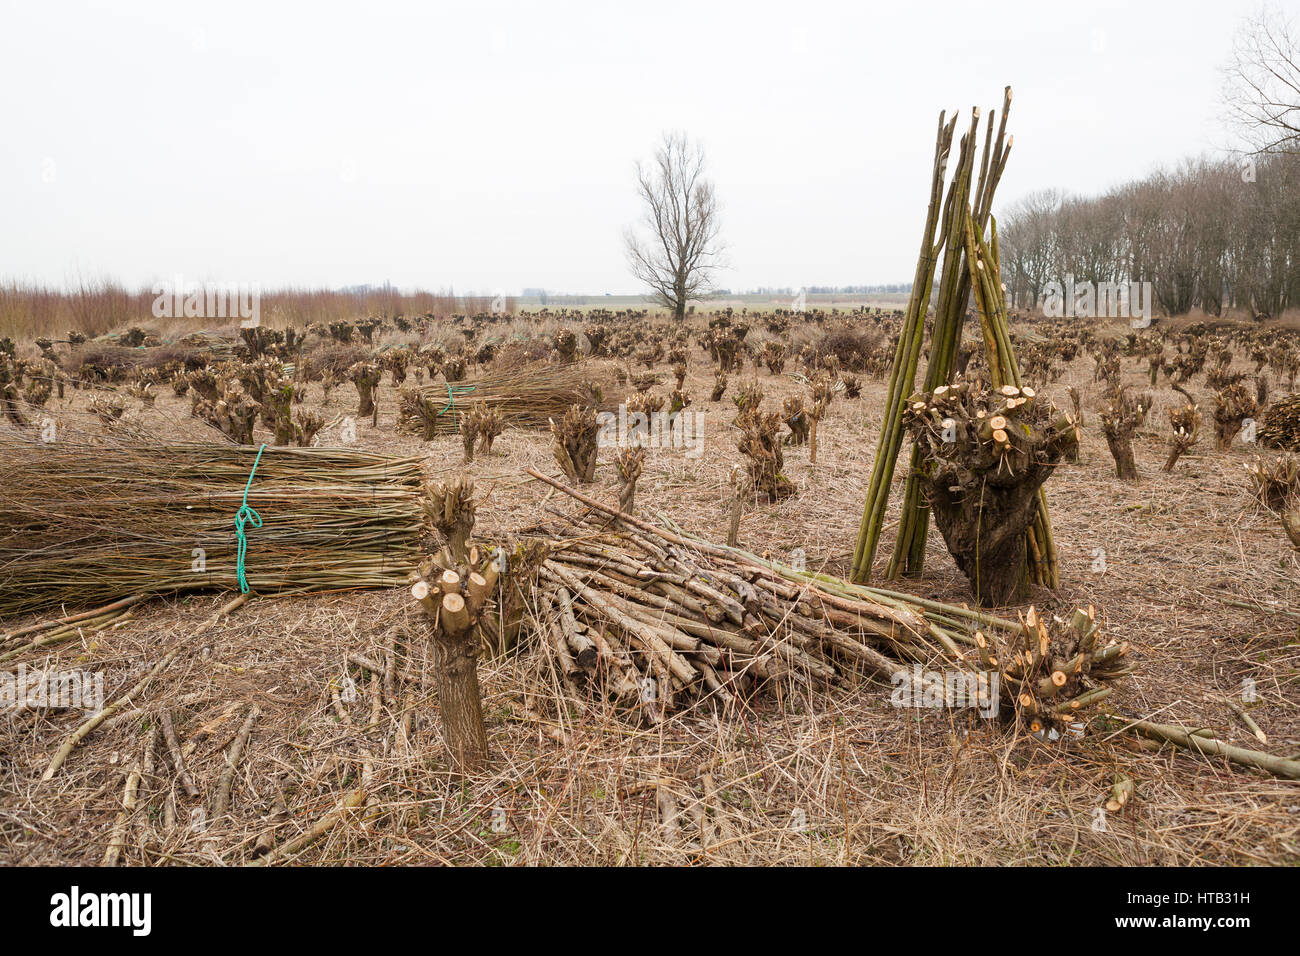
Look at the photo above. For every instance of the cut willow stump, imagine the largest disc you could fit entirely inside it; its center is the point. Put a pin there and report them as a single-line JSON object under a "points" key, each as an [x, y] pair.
{"points": [[991, 305], [575, 443], [451, 606], [1119, 423], [795, 415], [452, 589], [760, 443], [1185, 423], [983, 457], [719, 386], [628, 462], [1232, 406], [365, 376]]}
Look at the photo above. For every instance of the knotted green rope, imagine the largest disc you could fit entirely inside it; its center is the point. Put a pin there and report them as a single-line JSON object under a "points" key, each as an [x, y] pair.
{"points": [[451, 395], [246, 515]]}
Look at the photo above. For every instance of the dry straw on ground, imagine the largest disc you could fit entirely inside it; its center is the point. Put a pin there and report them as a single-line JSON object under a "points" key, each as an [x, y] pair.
{"points": [[1185, 566]]}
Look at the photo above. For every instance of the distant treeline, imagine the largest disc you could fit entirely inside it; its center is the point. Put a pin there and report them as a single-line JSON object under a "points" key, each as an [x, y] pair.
{"points": [[1214, 234], [97, 306]]}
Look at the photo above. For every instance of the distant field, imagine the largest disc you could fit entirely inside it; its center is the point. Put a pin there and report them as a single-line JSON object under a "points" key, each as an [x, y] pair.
{"points": [[97, 307]]}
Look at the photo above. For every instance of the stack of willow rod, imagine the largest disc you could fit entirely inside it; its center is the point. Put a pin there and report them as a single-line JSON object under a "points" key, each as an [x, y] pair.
{"points": [[640, 602], [527, 396], [85, 524]]}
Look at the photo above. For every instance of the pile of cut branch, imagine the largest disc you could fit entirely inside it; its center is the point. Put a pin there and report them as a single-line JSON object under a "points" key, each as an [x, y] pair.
{"points": [[651, 615], [642, 614]]}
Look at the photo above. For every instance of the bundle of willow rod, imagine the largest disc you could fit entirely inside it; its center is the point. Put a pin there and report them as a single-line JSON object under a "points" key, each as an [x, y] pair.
{"points": [[526, 396], [84, 524]]}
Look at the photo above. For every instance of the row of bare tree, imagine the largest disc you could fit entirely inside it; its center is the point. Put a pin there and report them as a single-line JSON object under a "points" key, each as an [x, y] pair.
{"points": [[1213, 234]]}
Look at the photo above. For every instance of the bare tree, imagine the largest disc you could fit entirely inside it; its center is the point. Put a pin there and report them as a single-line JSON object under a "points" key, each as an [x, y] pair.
{"points": [[1029, 237], [1263, 88], [678, 258]]}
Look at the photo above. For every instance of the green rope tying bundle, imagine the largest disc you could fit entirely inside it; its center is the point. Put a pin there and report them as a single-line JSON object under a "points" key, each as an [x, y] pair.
{"points": [[246, 515], [452, 391]]}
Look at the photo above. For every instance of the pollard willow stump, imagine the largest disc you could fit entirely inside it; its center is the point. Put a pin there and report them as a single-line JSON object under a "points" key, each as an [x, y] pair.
{"points": [[452, 606], [982, 458]]}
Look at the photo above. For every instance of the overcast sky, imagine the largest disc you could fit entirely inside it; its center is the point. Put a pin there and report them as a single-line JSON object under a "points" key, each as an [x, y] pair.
{"points": [[491, 146]]}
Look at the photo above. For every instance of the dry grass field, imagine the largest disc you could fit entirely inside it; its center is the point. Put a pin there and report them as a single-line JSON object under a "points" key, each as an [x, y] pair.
{"points": [[1198, 578]]}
